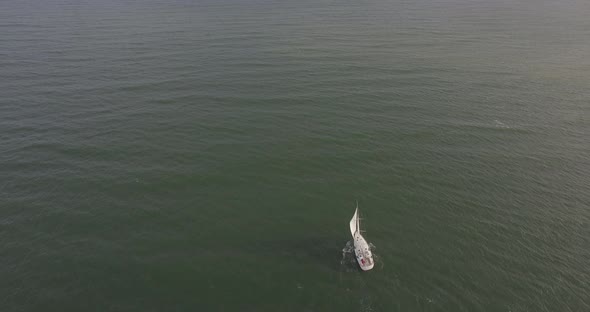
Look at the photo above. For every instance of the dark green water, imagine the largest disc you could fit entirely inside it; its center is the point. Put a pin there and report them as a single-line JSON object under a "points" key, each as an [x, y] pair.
{"points": [[206, 155]]}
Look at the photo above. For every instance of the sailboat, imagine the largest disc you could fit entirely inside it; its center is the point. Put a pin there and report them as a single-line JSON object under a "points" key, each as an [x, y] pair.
{"points": [[361, 248]]}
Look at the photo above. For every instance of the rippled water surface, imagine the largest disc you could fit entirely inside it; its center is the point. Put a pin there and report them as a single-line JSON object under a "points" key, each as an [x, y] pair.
{"points": [[194, 155]]}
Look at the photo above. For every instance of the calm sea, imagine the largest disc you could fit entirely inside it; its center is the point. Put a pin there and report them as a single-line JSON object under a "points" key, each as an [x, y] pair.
{"points": [[191, 155]]}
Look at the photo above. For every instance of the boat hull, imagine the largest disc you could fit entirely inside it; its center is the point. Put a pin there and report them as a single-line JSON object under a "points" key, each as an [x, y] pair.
{"points": [[362, 250]]}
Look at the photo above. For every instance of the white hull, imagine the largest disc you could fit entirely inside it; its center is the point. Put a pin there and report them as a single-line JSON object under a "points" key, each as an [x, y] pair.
{"points": [[362, 250]]}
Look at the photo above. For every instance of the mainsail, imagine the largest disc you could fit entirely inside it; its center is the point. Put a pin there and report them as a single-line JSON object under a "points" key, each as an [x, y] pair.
{"points": [[354, 222]]}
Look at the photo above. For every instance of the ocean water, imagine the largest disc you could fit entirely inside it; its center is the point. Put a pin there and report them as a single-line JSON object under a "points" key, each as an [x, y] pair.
{"points": [[206, 155]]}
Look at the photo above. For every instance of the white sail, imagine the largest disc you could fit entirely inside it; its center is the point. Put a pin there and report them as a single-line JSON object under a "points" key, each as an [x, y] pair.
{"points": [[354, 222]]}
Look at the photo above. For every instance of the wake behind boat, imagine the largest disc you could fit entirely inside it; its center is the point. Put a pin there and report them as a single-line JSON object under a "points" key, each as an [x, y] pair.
{"points": [[361, 248]]}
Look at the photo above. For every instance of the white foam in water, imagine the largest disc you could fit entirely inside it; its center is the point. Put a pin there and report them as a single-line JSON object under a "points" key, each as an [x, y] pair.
{"points": [[500, 124], [348, 261], [347, 252]]}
